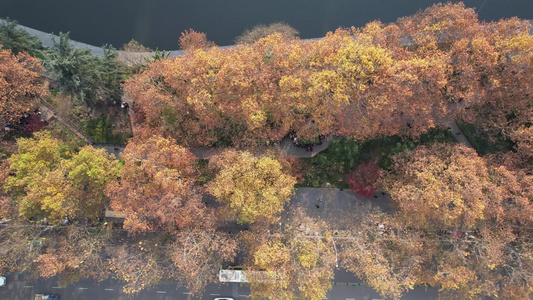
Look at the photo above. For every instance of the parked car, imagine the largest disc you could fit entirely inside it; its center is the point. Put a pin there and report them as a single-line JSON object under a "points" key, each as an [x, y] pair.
{"points": [[3, 281], [46, 297]]}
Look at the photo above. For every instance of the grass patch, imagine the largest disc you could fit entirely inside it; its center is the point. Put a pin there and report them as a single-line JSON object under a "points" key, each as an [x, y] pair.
{"points": [[482, 142], [342, 157]]}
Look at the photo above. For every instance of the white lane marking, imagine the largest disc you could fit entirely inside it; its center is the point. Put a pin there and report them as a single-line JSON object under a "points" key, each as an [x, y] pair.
{"points": [[187, 293], [108, 289], [28, 286], [82, 288], [215, 294], [161, 292]]}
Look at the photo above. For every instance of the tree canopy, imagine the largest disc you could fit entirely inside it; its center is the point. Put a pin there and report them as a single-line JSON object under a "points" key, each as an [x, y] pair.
{"points": [[294, 262], [92, 79], [156, 187], [20, 85], [19, 40], [251, 187], [51, 182]]}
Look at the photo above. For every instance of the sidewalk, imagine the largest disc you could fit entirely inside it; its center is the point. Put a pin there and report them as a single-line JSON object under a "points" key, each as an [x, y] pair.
{"points": [[331, 203], [459, 136]]}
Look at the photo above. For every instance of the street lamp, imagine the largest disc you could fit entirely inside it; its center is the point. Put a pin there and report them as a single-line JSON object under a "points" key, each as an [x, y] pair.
{"points": [[336, 258]]}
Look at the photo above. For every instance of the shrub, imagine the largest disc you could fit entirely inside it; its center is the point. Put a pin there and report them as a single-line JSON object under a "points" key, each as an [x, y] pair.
{"points": [[363, 180]]}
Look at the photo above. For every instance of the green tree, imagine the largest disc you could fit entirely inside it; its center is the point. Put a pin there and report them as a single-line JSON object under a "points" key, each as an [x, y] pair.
{"points": [[93, 79], [19, 40]]}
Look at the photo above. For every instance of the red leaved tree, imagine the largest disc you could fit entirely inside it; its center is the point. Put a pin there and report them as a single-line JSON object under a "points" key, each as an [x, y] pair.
{"points": [[363, 180]]}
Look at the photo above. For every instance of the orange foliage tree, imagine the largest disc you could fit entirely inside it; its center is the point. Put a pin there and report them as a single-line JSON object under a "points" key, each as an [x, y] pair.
{"points": [[20, 85], [296, 261], [400, 78], [74, 254], [156, 187], [192, 40], [198, 255], [444, 185]]}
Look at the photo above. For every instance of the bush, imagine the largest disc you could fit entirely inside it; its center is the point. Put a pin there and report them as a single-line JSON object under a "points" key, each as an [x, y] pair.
{"points": [[363, 180], [100, 130], [343, 156]]}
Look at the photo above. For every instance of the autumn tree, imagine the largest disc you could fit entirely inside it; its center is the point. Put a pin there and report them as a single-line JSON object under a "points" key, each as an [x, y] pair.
{"points": [[499, 62], [380, 250], [198, 254], [50, 182], [73, 254], [17, 250], [472, 218], [261, 31], [137, 263], [393, 254], [135, 55], [402, 78], [440, 185], [296, 262], [20, 85], [251, 187], [192, 40], [163, 172]]}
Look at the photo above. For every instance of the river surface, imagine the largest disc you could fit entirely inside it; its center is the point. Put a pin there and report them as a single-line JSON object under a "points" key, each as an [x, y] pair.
{"points": [[158, 23]]}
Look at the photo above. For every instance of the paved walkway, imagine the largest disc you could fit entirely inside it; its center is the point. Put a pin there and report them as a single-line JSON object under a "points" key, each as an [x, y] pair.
{"points": [[459, 135], [332, 203]]}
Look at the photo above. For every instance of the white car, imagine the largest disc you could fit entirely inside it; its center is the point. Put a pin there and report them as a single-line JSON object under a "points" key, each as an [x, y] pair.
{"points": [[3, 281], [224, 298]]}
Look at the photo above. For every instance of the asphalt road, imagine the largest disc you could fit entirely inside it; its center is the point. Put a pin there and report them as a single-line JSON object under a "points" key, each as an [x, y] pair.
{"points": [[19, 287]]}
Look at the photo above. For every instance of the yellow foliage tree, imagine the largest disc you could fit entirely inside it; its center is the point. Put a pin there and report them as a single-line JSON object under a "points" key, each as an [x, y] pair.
{"points": [[252, 187], [51, 182]]}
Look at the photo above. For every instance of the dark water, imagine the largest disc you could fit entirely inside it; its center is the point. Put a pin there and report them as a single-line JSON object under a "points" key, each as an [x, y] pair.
{"points": [[158, 23]]}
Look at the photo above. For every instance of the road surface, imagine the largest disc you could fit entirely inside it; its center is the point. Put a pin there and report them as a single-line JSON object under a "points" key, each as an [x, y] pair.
{"points": [[19, 287]]}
